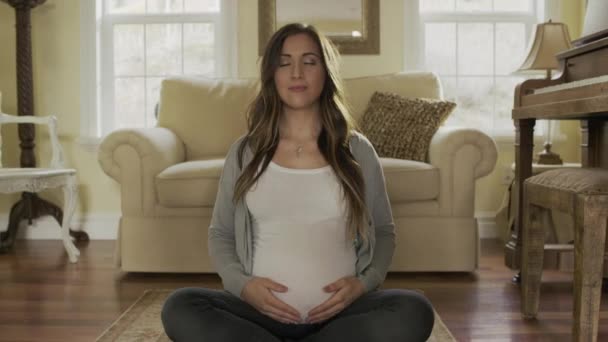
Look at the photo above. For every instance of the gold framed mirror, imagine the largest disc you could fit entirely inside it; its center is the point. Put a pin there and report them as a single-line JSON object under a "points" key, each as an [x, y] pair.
{"points": [[352, 25]]}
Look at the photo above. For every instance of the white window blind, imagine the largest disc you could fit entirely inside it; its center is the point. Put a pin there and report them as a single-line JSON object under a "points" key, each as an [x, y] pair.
{"points": [[138, 43], [475, 46]]}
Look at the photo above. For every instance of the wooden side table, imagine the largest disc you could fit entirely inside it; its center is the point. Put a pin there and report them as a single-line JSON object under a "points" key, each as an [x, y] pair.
{"points": [[35, 179], [557, 234]]}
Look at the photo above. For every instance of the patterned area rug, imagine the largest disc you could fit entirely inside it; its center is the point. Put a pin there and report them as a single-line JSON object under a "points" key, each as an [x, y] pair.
{"points": [[141, 322]]}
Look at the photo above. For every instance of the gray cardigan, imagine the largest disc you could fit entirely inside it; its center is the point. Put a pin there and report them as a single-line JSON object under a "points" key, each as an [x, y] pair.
{"points": [[230, 231]]}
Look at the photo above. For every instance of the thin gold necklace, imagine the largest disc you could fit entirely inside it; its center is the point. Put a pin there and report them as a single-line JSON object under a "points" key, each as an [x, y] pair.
{"points": [[299, 150]]}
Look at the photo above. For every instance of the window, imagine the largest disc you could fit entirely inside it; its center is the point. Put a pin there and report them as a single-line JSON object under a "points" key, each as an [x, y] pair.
{"points": [[475, 46], [138, 43]]}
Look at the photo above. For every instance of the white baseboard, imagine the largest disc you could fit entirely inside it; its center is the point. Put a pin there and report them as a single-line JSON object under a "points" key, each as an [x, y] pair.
{"points": [[102, 226], [487, 224]]}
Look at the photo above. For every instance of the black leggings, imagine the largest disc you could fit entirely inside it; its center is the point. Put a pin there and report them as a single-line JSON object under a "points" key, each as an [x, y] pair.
{"points": [[200, 314]]}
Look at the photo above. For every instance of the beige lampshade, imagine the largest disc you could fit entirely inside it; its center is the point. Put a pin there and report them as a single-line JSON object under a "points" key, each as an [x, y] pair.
{"points": [[549, 39]]}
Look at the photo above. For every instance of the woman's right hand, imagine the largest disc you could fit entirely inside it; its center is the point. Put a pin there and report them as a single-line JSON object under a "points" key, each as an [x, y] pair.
{"points": [[257, 293]]}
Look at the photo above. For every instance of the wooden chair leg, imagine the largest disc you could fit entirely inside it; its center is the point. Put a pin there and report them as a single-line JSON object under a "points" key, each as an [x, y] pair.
{"points": [[532, 259], [589, 241]]}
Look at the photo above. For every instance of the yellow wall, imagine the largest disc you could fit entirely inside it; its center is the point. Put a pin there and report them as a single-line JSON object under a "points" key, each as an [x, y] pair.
{"points": [[8, 89], [573, 14], [56, 48]]}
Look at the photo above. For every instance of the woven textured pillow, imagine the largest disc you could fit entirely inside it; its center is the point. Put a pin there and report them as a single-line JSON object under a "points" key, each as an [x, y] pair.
{"points": [[402, 128]]}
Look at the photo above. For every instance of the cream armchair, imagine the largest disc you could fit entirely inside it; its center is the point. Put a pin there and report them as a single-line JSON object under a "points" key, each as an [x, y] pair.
{"points": [[169, 178]]}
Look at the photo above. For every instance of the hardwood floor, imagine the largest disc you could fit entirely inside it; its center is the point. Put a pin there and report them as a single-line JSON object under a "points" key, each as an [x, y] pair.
{"points": [[44, 298]]}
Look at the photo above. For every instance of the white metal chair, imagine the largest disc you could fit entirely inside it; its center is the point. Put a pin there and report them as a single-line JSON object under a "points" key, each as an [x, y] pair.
{"points": [[36, 179]]}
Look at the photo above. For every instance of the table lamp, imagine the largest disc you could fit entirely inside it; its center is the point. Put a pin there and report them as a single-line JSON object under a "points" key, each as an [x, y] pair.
{"points": [[548, 39]]}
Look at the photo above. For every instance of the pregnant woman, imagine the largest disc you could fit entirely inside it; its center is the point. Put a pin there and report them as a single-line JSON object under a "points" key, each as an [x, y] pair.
{"points": [[302, 233]]}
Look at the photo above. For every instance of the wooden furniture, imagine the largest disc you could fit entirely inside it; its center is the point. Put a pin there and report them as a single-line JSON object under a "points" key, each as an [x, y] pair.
{"points": [[30, 206], [580, 92], [582, 193], [549, 39], [35, 179], [560, 232]]}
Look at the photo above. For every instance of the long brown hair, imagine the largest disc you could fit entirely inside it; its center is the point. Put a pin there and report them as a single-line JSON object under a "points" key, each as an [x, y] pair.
{"points": [[337, 127]]}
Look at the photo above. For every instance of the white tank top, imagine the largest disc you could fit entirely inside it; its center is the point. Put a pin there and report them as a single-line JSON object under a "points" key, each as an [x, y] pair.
{"points": [[299, 235]]}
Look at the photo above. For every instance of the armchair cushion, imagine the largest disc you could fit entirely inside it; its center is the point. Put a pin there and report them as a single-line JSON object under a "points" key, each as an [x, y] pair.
{"points": [[359, 90], [208, 115], [408, 180], [400, 127], [194, 183], [190, 184]]}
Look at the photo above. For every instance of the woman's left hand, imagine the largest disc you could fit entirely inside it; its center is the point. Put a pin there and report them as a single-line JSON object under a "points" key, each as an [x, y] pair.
{"points": [[346, 289]]}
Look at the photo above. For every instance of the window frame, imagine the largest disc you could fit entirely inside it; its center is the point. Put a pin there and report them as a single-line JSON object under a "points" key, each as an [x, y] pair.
{"points": [[414, 45], [97, 54]]}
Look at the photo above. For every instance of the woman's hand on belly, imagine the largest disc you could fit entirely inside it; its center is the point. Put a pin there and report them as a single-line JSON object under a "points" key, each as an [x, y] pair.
{"points": [[346, 289], [257, 292]]}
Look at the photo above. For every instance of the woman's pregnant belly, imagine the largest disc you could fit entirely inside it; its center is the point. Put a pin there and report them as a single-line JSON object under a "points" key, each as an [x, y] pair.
{"points": [[305, 260]]}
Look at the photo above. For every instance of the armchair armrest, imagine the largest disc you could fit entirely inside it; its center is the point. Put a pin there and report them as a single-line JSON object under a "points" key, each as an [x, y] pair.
{"points": [[462, 155], [134, 157]]}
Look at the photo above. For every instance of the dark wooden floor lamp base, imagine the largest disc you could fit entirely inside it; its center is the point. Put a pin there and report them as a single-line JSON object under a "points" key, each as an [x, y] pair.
{"points": [[30, 206]]}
